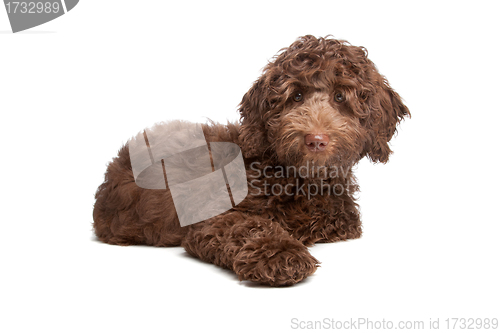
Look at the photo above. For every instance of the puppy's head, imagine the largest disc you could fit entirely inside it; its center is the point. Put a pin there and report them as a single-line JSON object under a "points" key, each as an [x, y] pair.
{"points": [[323, 101]]}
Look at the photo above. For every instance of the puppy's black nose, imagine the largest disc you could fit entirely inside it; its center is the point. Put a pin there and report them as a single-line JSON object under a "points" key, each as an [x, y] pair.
{"points": [[316, 142]]}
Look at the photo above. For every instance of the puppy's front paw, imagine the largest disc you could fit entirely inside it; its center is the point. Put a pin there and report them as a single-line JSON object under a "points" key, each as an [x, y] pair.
{"points": [[282, 263]]}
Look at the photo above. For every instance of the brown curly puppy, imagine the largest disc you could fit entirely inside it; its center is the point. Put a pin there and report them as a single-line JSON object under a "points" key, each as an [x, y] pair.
{"points": [[318, 108]]}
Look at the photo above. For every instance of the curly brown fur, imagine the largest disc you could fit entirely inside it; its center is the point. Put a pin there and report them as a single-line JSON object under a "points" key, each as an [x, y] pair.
{"points": [[322, 87]]}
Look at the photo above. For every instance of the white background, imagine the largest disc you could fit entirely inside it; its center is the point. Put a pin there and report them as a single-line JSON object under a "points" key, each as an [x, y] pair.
{"points": [[74, 90]]}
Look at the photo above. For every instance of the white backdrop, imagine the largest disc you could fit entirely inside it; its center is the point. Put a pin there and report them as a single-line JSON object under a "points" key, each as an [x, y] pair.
{"points": [[74, 90]]}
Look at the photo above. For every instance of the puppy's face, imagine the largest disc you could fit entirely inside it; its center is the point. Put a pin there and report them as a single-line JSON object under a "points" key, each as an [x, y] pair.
{"points": [[321, 101], [317, 126]]}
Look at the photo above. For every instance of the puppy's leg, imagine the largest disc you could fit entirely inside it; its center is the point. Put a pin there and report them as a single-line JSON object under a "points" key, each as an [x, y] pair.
{"points": [[342, 223], [256, 248]]}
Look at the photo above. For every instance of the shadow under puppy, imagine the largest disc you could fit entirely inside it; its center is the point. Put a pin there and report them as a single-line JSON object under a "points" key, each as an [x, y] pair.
{"points": [[318, 108]]}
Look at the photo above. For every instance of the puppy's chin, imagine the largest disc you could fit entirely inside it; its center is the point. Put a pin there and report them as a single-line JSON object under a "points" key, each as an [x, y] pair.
{"points": [[294, 153], [333, 155], [317, 164]]}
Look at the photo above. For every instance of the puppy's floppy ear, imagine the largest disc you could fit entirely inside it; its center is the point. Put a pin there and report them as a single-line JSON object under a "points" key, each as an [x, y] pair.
{"points": [[387, 111], [253, 130]]}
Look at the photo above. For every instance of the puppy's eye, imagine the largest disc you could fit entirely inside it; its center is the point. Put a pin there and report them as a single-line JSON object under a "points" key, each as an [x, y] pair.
{"points": [[339, 97], [298, 97]]}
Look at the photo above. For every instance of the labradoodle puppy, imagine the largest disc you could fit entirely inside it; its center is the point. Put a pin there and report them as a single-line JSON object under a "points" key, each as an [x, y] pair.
{"points": [[319, 107]]}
